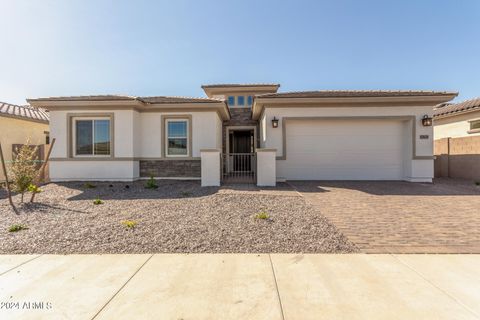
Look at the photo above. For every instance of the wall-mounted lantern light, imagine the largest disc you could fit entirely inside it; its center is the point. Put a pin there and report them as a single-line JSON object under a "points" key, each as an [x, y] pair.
{"points": [[275, 122], [426, 121]]}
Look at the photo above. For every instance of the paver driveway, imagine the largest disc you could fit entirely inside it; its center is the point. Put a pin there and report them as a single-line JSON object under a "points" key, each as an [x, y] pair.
{"points": [[401, 217]]}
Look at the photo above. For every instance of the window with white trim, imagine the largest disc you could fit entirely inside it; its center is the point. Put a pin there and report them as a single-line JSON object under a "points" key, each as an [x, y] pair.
{"points": [[91, 137], [176, 138]]}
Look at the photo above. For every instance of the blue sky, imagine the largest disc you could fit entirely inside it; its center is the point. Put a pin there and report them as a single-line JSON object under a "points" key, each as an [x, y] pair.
{"points": [[54, 48]]}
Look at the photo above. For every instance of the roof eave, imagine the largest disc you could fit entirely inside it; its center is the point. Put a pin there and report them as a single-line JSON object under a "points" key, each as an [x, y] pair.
{"points": [[456, 113], [260, 102], [136, 104], [209, 91]]}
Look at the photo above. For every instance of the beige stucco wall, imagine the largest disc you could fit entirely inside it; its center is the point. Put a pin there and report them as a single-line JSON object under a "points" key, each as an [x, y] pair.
{"points": [[16, 131], [414, 170], [137, 135], [206, 132], [456, 126]]}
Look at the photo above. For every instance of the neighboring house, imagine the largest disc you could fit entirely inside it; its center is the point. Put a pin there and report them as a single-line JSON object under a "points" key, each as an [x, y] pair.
{"points": [[17, 125], [457, 139], [328, 135]]}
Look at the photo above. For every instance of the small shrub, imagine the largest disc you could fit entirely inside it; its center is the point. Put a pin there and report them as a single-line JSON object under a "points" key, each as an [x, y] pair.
{"points": [[17, 227], [130, 224], [97, 201], [477, 183], [151, 183], [262, 215], [34, 188], [88, 185], [24, 168]]}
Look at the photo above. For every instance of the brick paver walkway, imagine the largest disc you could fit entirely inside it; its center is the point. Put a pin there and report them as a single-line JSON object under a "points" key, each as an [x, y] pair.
{"points": [[401, 217]]}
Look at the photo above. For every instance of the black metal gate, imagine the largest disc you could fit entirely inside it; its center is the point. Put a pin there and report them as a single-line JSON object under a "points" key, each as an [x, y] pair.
{"points": [[239, 168]]}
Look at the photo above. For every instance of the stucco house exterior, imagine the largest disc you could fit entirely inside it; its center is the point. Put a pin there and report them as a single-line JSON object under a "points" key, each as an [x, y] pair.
{"points": [[457, 139], [454, 120], [315, 135], [18, 124]]}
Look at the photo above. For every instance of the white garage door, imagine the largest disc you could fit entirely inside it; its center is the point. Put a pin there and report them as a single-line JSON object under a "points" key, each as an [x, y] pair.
{"points": [[343, 150]]}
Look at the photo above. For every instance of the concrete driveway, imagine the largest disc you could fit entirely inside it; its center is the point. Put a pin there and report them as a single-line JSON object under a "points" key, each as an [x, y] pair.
{"points": [[238, 286], [401, 217]]}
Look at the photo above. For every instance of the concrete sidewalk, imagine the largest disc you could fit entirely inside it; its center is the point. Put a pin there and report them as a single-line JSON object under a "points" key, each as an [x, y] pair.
{"points": [[240, 286]]}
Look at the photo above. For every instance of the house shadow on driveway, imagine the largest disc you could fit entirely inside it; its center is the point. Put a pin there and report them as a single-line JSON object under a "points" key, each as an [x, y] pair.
{"points": [[439, 187]]}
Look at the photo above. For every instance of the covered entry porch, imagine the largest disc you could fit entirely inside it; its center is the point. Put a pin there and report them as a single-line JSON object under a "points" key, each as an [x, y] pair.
{"points": [[239, 163]]}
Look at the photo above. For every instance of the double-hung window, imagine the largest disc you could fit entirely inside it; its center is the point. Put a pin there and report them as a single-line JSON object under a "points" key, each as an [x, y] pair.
{"points": [[92, 137], [176, 137]]}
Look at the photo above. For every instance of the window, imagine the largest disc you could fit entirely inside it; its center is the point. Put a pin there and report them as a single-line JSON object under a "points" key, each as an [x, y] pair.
{"points": [[249, 101], [231, 100], [240, 100], [475, 125], [177, 138], [92, 137]]}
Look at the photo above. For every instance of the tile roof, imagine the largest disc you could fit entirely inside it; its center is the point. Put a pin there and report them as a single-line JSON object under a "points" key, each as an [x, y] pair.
{"points": [[108, 97], [163, 99], [227, 85], [354, 93], [24, 112], [155, 99], [451, 109]]}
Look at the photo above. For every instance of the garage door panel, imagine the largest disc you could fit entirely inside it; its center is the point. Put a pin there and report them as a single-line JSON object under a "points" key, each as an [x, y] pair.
{"points": [[349, 127], [344, 150], [342, 143], [302, 173]]}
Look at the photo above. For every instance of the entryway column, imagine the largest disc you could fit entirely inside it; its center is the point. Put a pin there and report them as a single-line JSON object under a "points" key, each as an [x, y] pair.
{"points": [[266, 167], [210, 162]]}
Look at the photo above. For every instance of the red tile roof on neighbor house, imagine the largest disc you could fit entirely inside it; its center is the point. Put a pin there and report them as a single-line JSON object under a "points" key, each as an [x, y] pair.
{"points": [[355, 93], [451, 109], [28, 113]]}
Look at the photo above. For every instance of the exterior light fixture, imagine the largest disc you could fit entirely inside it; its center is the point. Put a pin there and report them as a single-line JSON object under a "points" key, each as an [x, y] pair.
{"points": [[275, 122], [426, 121]]}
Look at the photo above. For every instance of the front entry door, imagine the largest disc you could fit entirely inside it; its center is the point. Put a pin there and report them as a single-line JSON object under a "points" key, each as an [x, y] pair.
{"points": [[241, 144]]}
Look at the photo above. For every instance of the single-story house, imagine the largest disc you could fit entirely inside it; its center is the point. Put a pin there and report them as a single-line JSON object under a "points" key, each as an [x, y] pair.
{"points": [[315, 135], [457, 139], [19, 124], [454, 120]]}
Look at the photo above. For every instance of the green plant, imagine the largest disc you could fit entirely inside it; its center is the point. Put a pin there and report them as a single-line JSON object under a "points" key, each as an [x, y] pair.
{"points": [[24, 168], [97, 201], [34, 188], [17, 227], [186, 194], [151, 183], [477, 183], [130, 224], [88, 185], [262, 215]]}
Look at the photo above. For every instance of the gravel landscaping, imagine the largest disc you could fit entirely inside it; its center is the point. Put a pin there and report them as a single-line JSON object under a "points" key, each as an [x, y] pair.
{"points": [[178, 216]]}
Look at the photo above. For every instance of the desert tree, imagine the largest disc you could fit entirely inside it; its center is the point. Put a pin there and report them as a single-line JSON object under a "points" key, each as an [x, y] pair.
{"points": [[24, 169]]}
